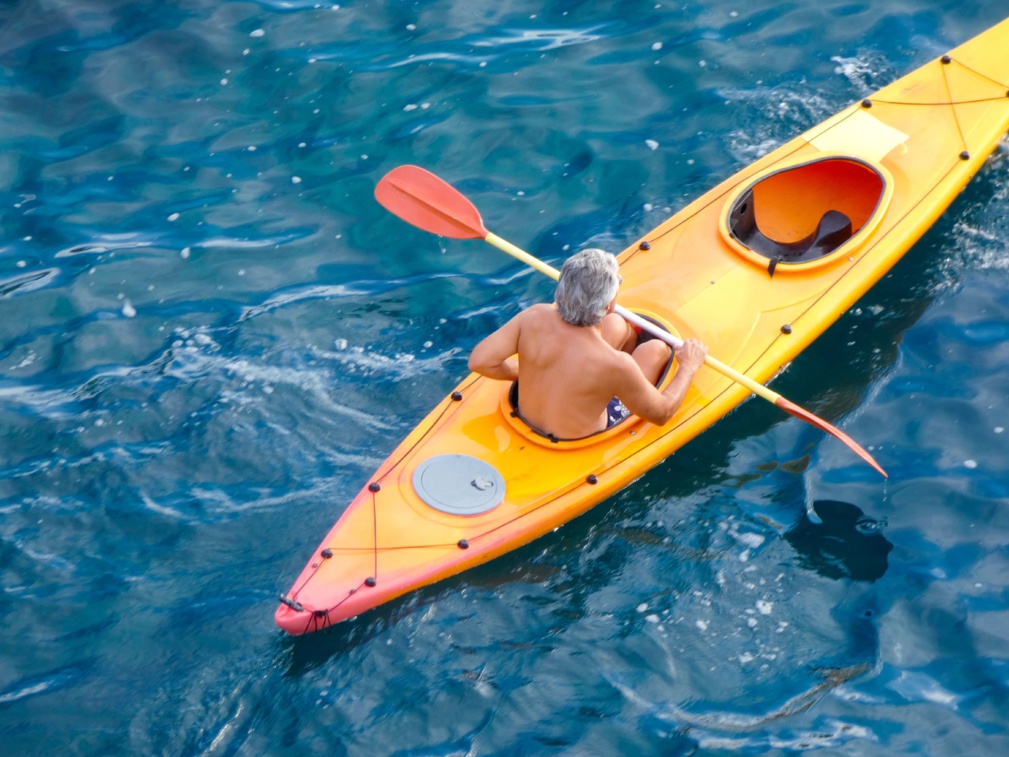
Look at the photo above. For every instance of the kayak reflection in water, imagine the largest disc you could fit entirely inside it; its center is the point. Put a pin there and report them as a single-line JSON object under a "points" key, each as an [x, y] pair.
{"points": [[576, 357], [845, 544]]}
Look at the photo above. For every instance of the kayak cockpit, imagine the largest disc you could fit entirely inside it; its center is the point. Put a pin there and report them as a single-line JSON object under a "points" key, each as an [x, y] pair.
{"points": [[509, 403], [802, 215]]}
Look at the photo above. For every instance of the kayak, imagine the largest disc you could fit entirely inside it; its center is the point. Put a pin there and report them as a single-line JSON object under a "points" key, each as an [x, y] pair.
{"points": [[757, 268]]}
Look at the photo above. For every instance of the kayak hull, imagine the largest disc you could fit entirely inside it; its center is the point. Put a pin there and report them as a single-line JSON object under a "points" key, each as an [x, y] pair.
{"points": [[757, 268]]}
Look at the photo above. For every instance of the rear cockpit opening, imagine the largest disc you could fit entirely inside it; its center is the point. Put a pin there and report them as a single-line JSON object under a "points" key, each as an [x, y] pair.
{"points": [[806, 212]]}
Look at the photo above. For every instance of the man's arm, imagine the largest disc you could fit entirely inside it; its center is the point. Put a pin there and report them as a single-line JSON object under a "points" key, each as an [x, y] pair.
{"points": [[494, 356], [645, 401]]}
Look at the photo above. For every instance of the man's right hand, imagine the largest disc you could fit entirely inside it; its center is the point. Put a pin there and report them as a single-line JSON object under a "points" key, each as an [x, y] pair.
{"points": [[691, 355]]}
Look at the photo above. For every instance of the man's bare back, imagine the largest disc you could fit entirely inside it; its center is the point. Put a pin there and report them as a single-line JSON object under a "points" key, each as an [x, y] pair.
{"points": [[570, 373]]}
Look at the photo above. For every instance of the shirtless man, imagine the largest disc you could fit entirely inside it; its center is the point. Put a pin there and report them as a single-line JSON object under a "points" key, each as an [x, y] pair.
{"points": [[575, 358]]}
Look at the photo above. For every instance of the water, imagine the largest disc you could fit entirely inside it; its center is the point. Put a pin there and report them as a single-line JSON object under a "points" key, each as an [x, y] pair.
{"points": [[211, 335]]}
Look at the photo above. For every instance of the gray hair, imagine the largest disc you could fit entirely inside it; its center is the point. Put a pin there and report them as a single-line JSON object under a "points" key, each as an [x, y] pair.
{"points": [[588, 283]]}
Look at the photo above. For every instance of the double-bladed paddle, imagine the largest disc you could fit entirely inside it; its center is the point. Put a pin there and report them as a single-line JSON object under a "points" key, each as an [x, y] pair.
{"points": [[429, 203]]}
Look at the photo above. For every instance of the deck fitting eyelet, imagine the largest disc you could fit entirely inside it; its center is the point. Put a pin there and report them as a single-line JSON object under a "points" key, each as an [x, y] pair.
{"points": [[374, 486], [592, 479], [456, 396], [462, 544], [645, 245], [946, 60], [326, 553], [965, 155], [786, 329], [369, 581], [867, 103]]}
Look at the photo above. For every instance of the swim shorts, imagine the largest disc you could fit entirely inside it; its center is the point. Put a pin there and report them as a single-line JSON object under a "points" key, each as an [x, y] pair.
{"points": [[616, 412]]}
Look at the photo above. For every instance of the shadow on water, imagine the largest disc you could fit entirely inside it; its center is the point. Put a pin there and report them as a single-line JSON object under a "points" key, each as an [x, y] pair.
{"points": [[845, 543], [525, 566], [302, 654]]}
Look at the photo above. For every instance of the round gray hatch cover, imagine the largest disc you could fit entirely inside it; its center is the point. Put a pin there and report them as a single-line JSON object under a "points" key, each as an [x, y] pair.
{"points": [[459, 484]]}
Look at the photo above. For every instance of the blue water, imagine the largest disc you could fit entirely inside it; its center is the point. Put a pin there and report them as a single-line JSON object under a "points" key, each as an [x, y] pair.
{"points": [[211, 335]]}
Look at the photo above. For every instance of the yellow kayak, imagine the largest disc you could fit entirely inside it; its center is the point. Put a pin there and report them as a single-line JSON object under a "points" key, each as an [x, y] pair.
{"points": [[757, 268]]}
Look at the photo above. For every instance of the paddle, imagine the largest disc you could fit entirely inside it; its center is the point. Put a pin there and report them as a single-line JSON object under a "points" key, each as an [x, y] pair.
{"points": [[429, 203]]}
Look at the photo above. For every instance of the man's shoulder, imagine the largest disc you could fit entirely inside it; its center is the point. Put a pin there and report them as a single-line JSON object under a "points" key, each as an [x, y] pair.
{"points": [[622, 361], [622, 371], [540, 309], [537, 314]]}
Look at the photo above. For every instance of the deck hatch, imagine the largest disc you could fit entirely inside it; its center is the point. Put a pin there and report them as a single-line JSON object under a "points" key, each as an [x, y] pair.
{"points": [[459, 484]]}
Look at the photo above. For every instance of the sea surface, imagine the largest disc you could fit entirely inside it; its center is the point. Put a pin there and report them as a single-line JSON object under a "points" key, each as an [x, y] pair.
{"points": [[211, 335]]}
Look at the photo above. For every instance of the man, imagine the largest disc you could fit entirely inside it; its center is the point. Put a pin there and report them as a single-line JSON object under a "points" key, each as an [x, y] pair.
{"points": [[578, 360]]}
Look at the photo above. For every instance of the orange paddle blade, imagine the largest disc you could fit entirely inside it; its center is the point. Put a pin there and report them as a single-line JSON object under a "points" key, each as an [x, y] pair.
{"points": [[429, 203], [792, 409]]}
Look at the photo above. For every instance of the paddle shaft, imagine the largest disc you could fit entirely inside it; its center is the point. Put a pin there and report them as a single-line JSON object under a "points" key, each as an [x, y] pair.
{"points": [[520, 254]]}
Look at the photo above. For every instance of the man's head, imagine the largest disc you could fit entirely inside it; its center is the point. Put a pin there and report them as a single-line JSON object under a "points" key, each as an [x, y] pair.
{"points": [[587, 285]]}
